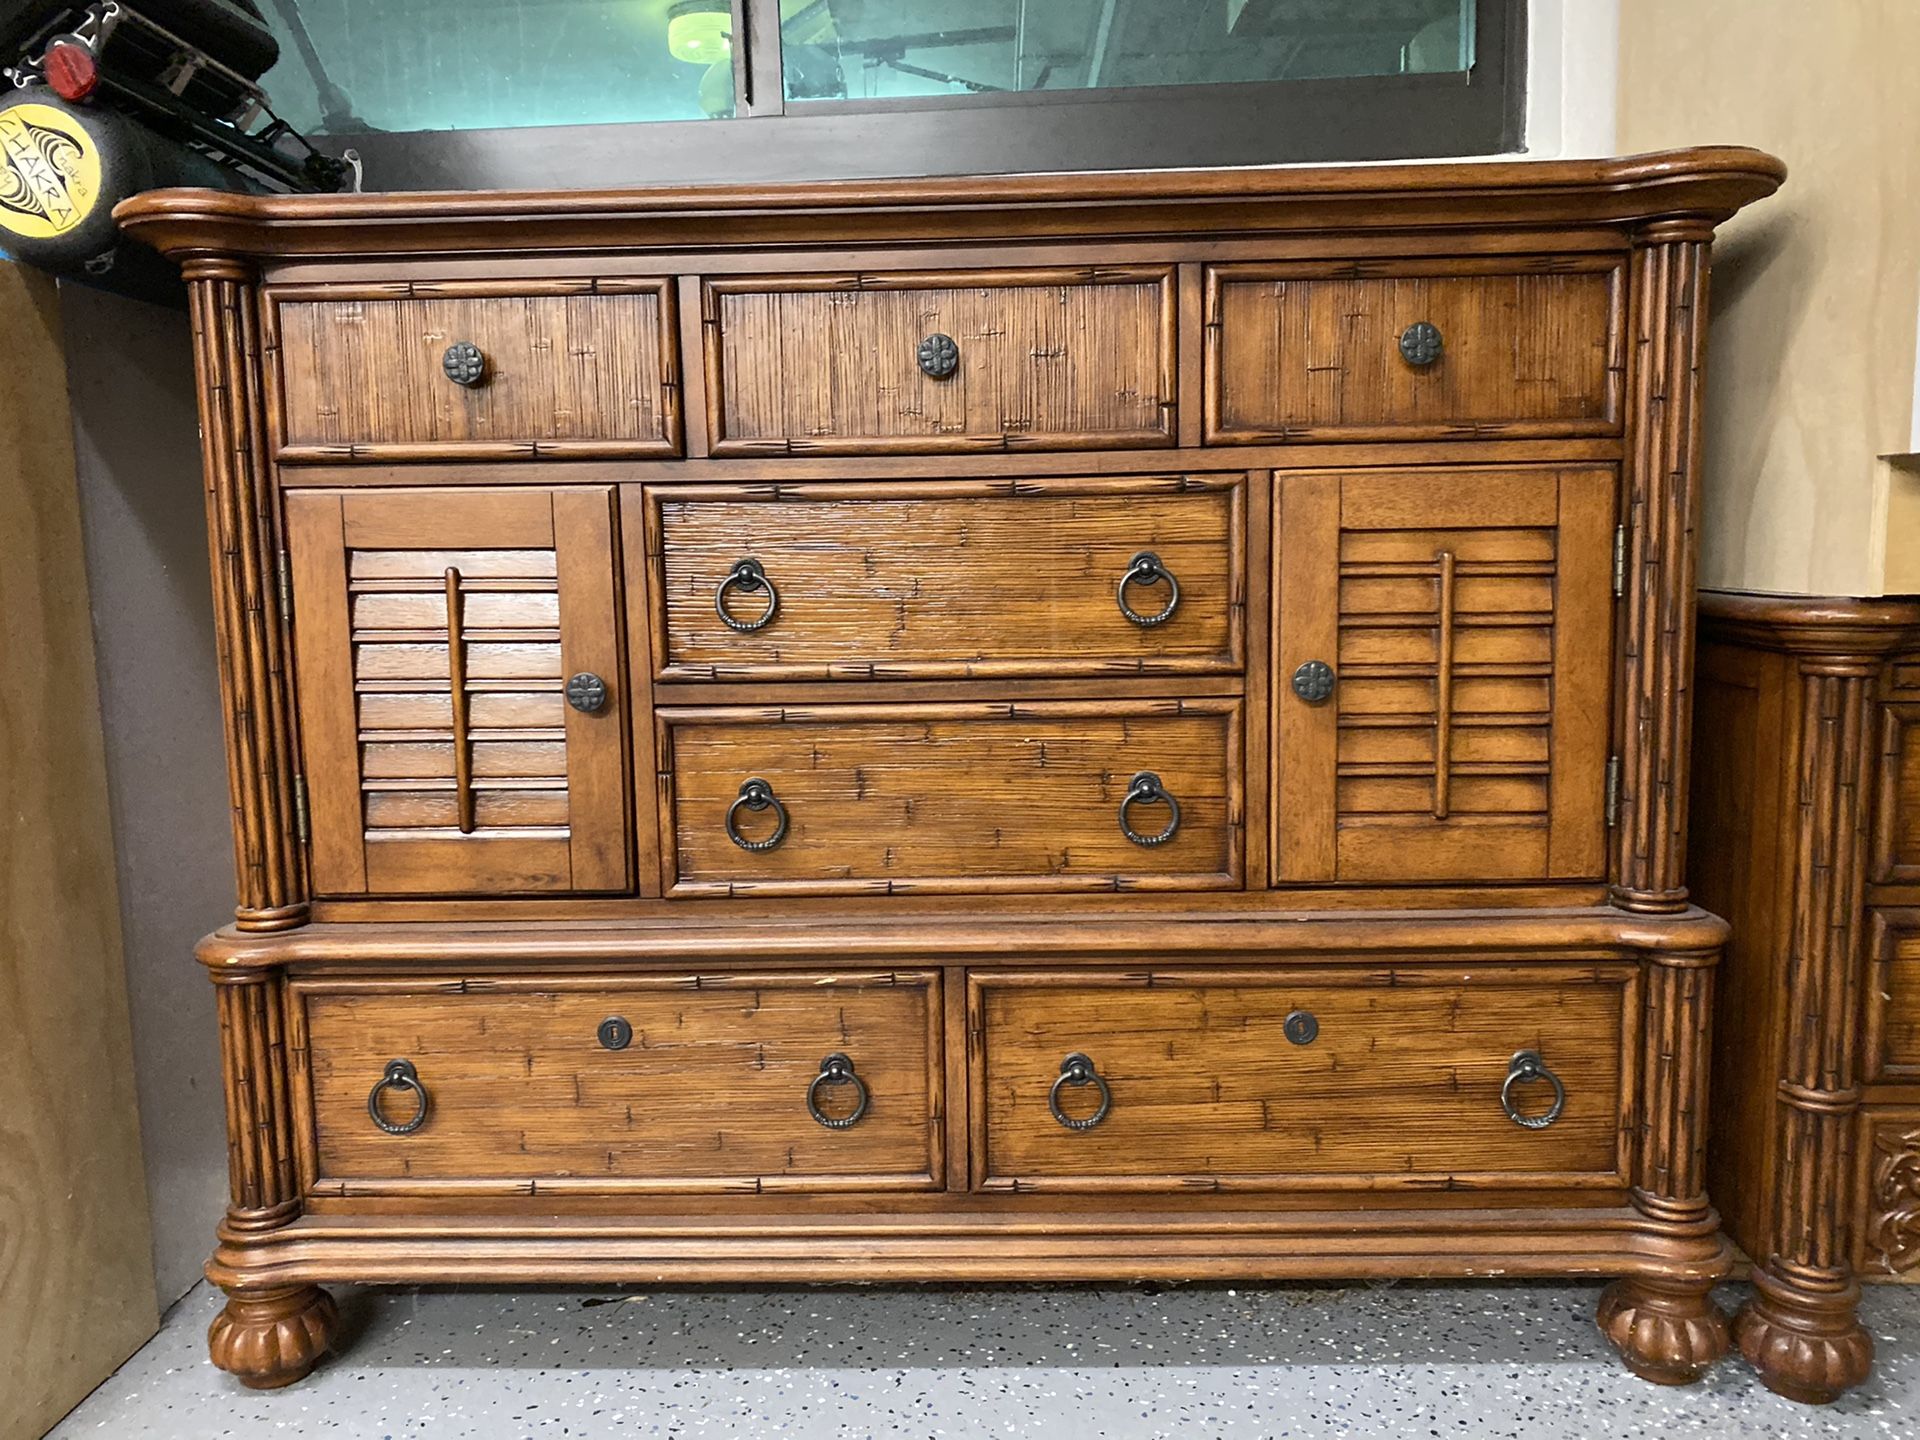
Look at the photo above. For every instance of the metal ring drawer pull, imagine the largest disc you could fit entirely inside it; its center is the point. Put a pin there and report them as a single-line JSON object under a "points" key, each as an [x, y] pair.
{"points": [[837, 1069], [1420, 344], [1146, 569], [1527, 1065], [400, 1076], [756, 795], [465, 364], [747, 577], [1077, 1070], [1146, 789]]}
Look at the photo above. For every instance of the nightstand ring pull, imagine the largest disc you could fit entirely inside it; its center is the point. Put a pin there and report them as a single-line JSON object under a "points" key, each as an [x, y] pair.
{"points": [[757, 795], [400, 1076], [1077, 1070], [749, 578], [1145, 569], [1146, 789], [1527, 1065], [837, 1069]]}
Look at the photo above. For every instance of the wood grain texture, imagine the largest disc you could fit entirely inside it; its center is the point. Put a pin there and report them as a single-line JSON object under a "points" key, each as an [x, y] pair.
{"points": [[1048, 359], [711, 1094], [1311, 350], [950, 578], [985, 797], [1400, 1088], [573, 368]]}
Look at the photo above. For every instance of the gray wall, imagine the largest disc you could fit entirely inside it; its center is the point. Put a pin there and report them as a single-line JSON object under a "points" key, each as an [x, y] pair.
{"points": [[130, 371]]}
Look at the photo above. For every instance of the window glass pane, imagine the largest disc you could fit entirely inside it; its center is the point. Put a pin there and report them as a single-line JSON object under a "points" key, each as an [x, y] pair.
{"points": [[874, 49], [485, 64]]}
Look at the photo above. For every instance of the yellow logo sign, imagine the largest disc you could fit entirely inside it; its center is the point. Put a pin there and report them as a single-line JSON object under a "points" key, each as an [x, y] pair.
{"points": [[49, 171]]}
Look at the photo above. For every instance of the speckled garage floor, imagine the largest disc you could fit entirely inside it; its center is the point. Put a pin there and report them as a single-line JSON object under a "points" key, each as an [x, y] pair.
{"points": [[1073, 1363]]}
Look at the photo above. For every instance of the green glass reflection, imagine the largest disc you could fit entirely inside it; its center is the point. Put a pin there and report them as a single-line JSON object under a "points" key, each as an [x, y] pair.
{"points": [[407, 65], [879, 49]]}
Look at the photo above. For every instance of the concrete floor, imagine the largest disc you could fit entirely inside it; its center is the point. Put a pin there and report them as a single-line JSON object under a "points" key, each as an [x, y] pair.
{"points": [[1072, 1363]]}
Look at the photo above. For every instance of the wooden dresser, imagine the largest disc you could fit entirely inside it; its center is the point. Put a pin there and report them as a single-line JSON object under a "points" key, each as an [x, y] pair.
{"points": [[1072, 727], [1808, 839]]}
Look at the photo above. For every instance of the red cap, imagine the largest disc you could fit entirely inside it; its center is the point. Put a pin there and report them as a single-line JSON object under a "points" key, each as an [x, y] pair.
{"points": [[71, 70]]}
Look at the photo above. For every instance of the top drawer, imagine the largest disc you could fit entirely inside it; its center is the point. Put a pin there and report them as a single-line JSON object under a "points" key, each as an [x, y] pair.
{"points": [[1412, 349], [571, 368], [856, 364]]}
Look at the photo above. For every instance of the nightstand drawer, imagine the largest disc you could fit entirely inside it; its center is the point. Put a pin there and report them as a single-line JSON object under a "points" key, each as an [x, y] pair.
{"points": [[1381, 1079], [949, 578], [525, 1085], [985, 797], [1404, 349], [941, 362]]}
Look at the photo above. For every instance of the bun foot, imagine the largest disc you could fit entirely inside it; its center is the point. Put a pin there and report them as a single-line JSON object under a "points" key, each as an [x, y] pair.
{"points": [[1806, 1344], [1666, 1331], [271, 1338]]}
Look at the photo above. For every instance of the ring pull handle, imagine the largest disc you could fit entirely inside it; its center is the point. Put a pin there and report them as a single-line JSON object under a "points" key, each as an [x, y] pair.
{"points": [[400, 1076], [749, 578], [1146, 789], [1420, 344], [465, 363], [757, 795], [1525, 1066], [1077, 1070], [837, 1069], [1145, 569]]}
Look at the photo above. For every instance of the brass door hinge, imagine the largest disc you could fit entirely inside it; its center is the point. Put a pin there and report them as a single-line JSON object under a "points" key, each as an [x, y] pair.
{"points": [[300, 809], [1613, 791], [1619, 561], [283, 568]]}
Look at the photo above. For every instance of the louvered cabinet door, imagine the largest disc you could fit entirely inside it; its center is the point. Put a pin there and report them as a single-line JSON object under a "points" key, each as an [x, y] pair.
{"points": [[1465, 616], [435, 633]]}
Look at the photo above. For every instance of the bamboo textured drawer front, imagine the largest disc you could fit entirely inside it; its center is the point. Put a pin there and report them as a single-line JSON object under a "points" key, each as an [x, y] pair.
{"points": [[540, 1084], [1265, 1079], [1402, 349], [855, 364], [1892, 1043], [980, 797], [552, 369], [950, 578]]}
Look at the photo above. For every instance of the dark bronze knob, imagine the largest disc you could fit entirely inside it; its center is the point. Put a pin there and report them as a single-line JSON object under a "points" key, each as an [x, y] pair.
{"points": [[616, 1032], [465, 364], [749, 578], [757, 795], [1077, 1071], [939, 356], [400, 1076], [1146, 789], [586, 692], [1302, 1027], [1313, 681], [1526, 1066], [836, 1070], [1420, 344], [1145, 569]]}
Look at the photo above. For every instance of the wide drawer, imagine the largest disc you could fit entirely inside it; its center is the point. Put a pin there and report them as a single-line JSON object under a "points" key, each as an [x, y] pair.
{"points": [[1377, 1079], [946, 361], [555, 368], [949, 578], [1402, 349], [538, 1084], [869, 799]]}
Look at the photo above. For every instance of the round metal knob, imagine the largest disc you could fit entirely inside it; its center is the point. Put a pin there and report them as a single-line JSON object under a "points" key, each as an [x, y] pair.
{"points": [[1146, 789], [1145, 569], [1420, 344], [1077, 1070], [1301, 1027], [400, 1076], [586, 692], [616, 1032], [465, 364], [749, 578], [939, 356], [1527, 1065], [837, 1069], [756, 795], [1313, 681]]}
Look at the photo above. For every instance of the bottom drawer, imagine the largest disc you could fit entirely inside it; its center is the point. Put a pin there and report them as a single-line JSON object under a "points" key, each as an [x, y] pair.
{"points": [[539, 1084], [1273, 1079]]}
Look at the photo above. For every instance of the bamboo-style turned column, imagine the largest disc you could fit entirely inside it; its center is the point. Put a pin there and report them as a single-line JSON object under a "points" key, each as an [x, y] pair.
{"points": [[249, 628]]}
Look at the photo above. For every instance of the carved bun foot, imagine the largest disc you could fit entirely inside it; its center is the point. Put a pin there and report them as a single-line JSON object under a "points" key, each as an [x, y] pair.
{"points": [[271, 1338], [1667, 1332], [1808, 1345]]}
